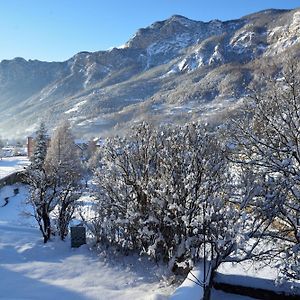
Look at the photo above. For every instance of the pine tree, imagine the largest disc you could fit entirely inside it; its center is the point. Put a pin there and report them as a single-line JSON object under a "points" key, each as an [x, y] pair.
{"points": [[40, 148], [42, 193]]}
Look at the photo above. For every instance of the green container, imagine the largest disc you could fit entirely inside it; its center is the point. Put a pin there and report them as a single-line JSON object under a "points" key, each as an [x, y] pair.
{"points": [[78, 236]]}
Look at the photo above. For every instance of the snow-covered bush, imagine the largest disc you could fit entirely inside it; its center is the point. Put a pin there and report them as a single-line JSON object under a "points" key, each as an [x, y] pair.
{"points": [[122, 176], [167, 192]]}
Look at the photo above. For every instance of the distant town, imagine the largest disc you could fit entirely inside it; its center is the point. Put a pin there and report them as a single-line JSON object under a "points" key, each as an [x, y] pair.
{"points": [[24, 147]]}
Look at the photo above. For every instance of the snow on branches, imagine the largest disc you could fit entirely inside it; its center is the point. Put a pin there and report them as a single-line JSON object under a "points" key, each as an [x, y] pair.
{"points": [[267, 150], [167, 192]]}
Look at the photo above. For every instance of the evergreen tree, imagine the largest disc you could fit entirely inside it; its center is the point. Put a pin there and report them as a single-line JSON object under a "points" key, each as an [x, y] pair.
{"points": [[42, 193], [40, 148], [2, 144]]}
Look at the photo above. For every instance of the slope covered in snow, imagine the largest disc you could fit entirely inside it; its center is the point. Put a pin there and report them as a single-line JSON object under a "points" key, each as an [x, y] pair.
{"points": [[9, 165]]}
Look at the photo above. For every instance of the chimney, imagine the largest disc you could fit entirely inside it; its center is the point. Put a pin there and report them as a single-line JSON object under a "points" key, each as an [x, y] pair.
{"points": [[30, 146]]}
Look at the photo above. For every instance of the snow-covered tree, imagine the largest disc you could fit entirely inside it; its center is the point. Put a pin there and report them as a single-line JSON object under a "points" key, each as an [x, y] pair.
{"points": [[200, 203], [2, 144], [40, 147], [63, 163], [42, 197], [168, 192], [42, 191], [122, 175], [54, 181], [266, 144], [62, 156]]}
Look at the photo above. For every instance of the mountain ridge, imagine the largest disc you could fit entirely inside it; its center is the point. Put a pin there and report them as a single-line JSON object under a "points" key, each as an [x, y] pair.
{"points": [[173, 70]]}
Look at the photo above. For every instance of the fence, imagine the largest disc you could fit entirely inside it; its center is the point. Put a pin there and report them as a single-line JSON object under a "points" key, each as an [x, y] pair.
{"points": [[257, 288]]}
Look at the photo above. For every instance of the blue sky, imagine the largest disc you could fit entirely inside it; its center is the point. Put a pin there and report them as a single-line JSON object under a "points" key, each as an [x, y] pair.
{"points": [[54, 30]]}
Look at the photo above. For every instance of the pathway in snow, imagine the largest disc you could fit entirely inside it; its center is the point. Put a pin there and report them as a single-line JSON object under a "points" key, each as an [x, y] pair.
{"points": [[32, 270]]}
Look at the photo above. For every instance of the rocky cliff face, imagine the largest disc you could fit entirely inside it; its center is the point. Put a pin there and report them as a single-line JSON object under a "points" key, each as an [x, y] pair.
{"points": [[172, 71]]}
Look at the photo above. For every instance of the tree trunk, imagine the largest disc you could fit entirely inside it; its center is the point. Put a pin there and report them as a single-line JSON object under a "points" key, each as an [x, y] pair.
{"points": [[46, 226], [208, 287], [46, 238], [65, 214]]}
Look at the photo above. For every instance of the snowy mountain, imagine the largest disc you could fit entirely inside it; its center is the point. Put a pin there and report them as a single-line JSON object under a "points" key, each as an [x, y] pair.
{"points": [[172, 71]]}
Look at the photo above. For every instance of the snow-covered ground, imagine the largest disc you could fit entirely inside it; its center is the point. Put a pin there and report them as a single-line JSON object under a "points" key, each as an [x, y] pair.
{"points": [[9, 165], [246, 274], [32, 270], [190, 290]]}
